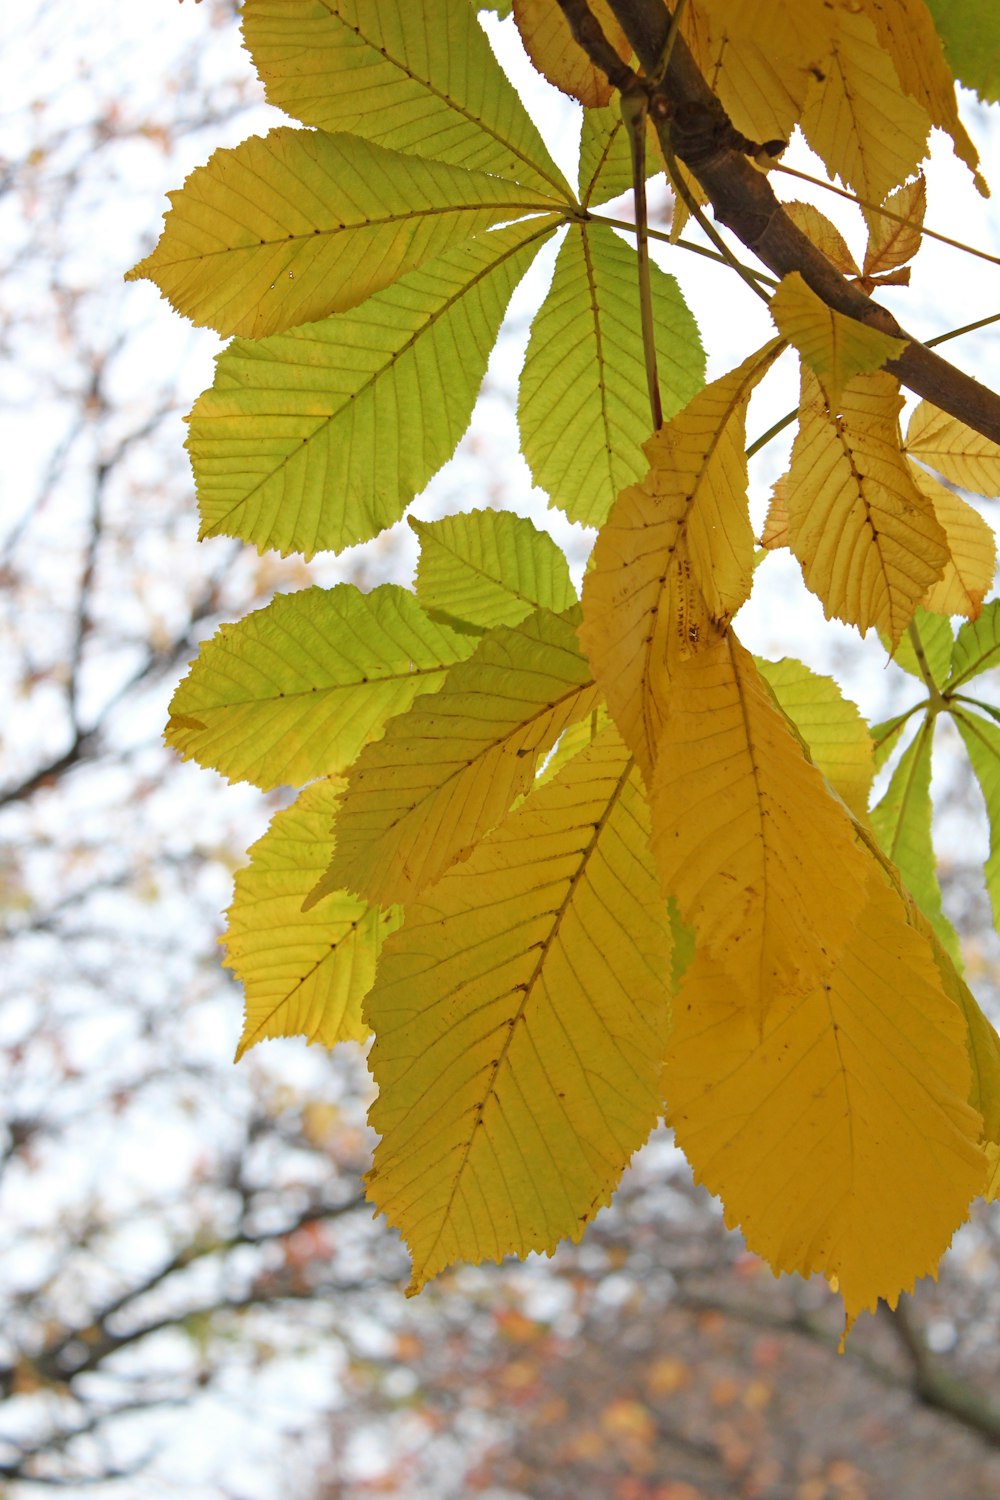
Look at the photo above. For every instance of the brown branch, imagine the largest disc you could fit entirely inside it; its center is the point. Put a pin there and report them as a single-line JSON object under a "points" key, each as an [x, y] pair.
{"points": [[693, 123]]}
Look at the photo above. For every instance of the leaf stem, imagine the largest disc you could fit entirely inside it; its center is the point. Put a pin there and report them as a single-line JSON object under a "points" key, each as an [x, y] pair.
{"points": [[695, 210], [682, 244], [634, 114], [772, 432], [936, 702]]}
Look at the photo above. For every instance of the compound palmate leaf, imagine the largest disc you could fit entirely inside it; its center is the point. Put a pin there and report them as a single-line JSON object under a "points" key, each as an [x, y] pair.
{"points": [[447, 770], [489, 567], [832, 727], [320, 437], [582, 407], [290, 227], [520, 1015], [841, 1141], [294, 690], [419, 80], [303, 973], [760, 858]]}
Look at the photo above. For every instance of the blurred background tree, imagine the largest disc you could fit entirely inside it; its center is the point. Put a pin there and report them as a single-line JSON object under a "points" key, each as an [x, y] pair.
{"points": [[194, 1297]]}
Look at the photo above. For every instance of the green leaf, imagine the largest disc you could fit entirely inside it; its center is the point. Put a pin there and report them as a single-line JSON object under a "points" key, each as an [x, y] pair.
{"points": [[290, 227], [936, 640], [982, 742], [606, 156], [303, 974], [833, 729], [320, 437], [977, 646], [583, 406], [520, 1017], [418, 79], [489, 567], [902, 825], [448, 769], [970, 31], [885, 736], [294, 690]]}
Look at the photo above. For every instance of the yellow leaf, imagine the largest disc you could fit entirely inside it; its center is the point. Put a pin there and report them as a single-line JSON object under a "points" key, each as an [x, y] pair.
{"points": [[760, 858], [968, 573], [775, 533], [894, 241], [907, 32], [944, 443], [756, 57], [557, 54], [675, 558], [840, 1141], [302, 974], [520, 1018], [835, 347], [824, 235], [856, 117], [421, 797], [868, 540]]}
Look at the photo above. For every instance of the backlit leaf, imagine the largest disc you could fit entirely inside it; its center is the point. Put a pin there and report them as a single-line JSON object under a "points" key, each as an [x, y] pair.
{"points": [[868, 540], [894, 241], [936, 643], [489, 567], [970, 32], [293, 226], [520, 1017], [320, 437], [834, 731], [824, 235], [902, 824], [944, 443], [294, 690], [972, 560], [303, 974], [906, 31], [840, 1141], [418, 79], [835, 347], [982, 743], [675, 558], [983, 1046], [856, 117], [977, 646], [557, 54], [760, 858], [583, 408], [447, 770], [606, 156]]}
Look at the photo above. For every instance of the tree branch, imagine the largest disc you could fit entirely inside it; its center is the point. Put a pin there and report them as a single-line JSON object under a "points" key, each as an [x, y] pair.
{"points": [[692, 122]]}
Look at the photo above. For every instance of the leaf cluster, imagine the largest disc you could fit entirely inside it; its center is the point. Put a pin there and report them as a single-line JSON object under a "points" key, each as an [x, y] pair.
{"points": [[577, 862]]}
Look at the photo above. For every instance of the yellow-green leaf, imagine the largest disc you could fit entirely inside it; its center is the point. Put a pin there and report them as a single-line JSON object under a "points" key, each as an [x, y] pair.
{"points": [[840, 1141], [857, 117], [824, 235], [320, 437], [294, 690], [606, 156], [832, 727], [489, 567], [835, 347], [902, 824], [418, 79], [982, 743], [675, 558], [936, 640], [447, 770], [972, 551], [970, 33], [868, 540], [303, 974], [520, 1018], [583, 408], [290, 227], [760, 858], [944, 443], [977, 646]]}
